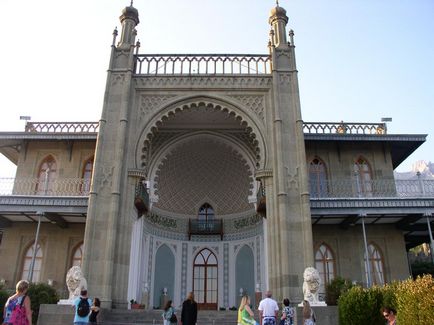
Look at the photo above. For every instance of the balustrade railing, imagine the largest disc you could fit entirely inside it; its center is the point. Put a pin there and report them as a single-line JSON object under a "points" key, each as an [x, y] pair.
{"points": [[340, 188], [205, 64], [62, 127], [355, 188], [52, 187], [344, 128], [205, 227]]}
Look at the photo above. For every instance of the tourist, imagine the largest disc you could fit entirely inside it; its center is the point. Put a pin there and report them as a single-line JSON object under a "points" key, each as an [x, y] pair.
{"points": [[308, 314], [169, 316], [390, 315], [287, 313], [268, 310], [19, 302], [94, 311], [82, 308], [246, 316], [189, 311]]}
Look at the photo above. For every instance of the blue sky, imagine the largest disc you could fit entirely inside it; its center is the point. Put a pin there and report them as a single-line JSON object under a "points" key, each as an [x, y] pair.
{"points": [[358, 61]]}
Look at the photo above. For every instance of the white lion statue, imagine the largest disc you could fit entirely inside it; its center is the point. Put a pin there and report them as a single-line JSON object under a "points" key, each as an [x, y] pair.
{"points": [[311, 285], [75, 282]]}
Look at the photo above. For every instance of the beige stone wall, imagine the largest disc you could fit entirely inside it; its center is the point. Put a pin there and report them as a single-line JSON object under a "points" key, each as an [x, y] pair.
{"points": [[348, 247], [57, 245], [340, 157], [67, 166]]}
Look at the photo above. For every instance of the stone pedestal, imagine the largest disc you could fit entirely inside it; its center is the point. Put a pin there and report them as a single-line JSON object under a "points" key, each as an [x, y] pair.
{"points": [[163, 300], [69, 302]]}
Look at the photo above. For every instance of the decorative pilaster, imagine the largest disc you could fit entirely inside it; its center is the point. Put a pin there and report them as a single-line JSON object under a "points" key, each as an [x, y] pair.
{"points": [[288, 225], [110, 223]]}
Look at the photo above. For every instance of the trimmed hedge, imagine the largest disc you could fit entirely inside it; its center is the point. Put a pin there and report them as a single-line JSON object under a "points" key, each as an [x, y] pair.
{"points": [[359, 306], [413, 300]]}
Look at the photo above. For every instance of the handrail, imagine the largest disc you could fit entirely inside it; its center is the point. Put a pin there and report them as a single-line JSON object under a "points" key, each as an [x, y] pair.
{"points": [[308, 127], [344, 128], [202, 64], [62, 127], [205, 227], [356, 188], [44, 187]]}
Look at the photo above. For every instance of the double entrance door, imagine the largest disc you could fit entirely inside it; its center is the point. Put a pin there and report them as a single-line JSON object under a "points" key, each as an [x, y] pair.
{"points": [[205, 280]]}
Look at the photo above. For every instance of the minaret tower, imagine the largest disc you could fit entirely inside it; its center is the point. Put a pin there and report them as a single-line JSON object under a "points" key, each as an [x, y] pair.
{"points": [[104, 264], [289, 229]]}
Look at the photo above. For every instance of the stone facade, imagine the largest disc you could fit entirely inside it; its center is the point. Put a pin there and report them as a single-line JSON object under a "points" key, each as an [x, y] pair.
{"points": [[221, 142]]}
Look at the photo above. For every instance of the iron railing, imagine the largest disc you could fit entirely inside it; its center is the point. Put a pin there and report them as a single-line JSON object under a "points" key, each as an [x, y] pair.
{"points": [[62, 127], [345, 188], [141, 200], [205, 227], [50, 187], [344, 128], [202, 64]]}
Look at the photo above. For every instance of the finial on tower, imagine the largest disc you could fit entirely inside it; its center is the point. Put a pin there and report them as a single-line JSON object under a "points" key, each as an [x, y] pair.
{"points": [[131, 4], [278, 21]]}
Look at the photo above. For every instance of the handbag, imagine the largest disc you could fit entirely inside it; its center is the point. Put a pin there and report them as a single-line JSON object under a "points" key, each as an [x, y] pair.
{"points": [[173, 318]]}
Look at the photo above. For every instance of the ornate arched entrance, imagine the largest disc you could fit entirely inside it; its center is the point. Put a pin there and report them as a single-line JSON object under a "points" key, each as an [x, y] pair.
{"points": [[205, 279]]}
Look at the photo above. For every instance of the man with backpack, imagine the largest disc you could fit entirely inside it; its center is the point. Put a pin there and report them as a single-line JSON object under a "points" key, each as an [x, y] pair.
{"points": [[82, 309]]}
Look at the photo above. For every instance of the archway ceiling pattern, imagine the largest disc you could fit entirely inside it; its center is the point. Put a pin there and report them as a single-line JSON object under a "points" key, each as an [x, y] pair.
{"points": [[201, 170], [196, 118]]}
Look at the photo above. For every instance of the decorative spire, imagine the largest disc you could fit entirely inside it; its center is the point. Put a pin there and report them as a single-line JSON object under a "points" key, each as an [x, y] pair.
{"points": [[129, 20], [131, 4], [278, 21]]}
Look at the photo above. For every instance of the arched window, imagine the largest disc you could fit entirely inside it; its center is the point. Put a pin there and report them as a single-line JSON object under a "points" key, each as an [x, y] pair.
{"points": [[317, 178], [325, 264], [77, 256], [363, 174], [376, 265], [28, 261], [47, 174], [206, 213], [87, 176], [205, 279], [205, 218]]}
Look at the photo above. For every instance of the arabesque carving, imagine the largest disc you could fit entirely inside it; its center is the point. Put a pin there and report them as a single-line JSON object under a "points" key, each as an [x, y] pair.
{"points": [[254, 102], [149, 103]]}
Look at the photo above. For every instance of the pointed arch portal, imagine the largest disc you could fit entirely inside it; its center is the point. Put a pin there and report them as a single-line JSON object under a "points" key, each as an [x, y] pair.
{"points": [[205, 279]]}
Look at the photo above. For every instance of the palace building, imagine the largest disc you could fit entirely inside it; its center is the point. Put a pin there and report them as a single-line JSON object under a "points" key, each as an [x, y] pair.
{"points": [[202, 176]]}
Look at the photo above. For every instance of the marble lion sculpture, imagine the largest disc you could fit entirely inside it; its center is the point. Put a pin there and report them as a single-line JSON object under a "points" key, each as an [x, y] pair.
{"points": [[311, 284], [75, 282]]}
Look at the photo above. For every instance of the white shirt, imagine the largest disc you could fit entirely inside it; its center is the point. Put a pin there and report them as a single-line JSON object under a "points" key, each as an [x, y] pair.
{"points": [[268, 307]]}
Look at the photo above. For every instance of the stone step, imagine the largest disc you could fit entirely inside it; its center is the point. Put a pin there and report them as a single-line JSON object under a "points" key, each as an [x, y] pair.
{"points": [[117, 316]]}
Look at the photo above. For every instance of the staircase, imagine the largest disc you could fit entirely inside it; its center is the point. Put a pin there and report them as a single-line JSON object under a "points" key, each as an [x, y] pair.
{"points": [[147, 317]]}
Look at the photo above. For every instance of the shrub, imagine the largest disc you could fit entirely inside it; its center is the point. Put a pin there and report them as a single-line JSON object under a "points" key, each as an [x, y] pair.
{"points": [[415, 301], [360, 306], [41, 293], [4, 295], [335, 289]]}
